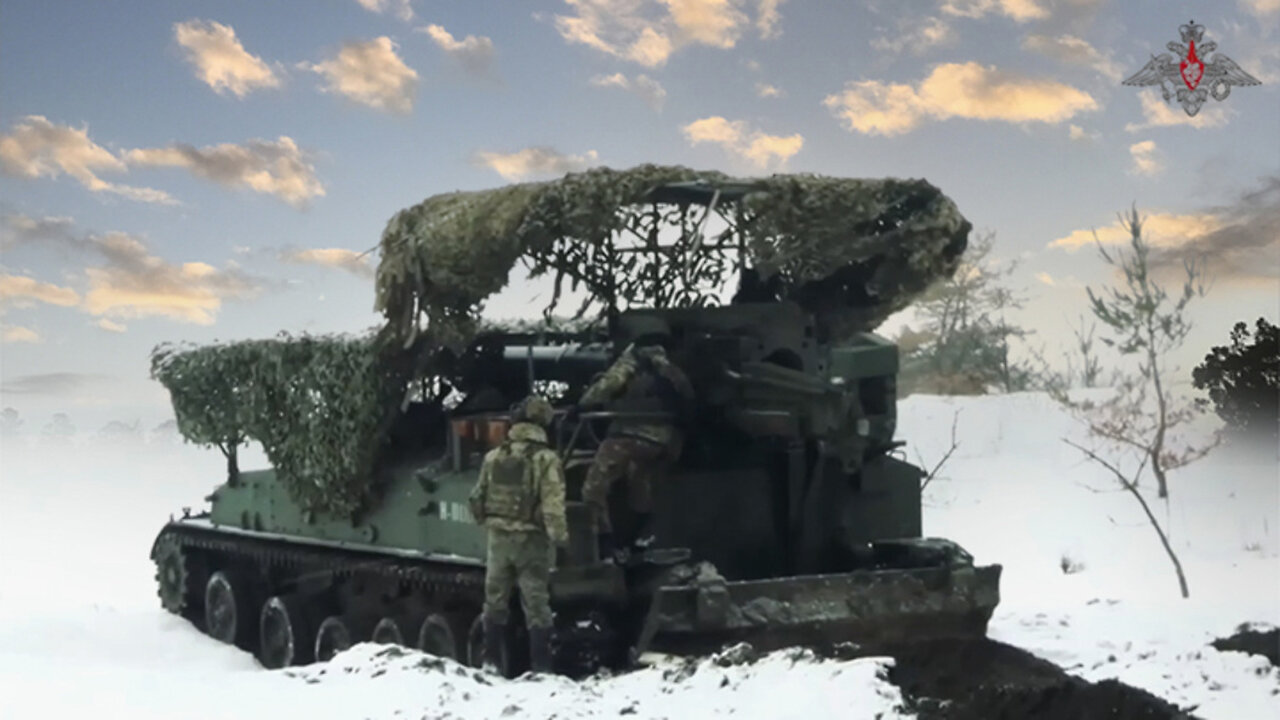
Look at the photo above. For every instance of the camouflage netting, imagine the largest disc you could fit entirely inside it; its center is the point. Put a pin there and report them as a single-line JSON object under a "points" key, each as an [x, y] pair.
{"points": [[851, 250], [318, 405]]}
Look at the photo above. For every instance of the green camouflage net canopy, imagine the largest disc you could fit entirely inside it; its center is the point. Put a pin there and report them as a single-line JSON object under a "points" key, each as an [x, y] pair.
{"points": [[318, 405], [851, 251]]}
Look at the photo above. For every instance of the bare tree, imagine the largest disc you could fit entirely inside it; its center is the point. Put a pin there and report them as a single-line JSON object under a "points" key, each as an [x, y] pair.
{"points": [[1147, 323], [1142, 414]]}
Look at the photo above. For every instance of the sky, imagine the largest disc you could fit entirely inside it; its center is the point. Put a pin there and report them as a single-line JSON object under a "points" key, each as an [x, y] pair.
{"points": [[194, 171]]}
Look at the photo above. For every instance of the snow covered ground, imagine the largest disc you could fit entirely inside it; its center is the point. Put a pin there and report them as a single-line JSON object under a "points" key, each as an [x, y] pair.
{"points": [[82, 634]]}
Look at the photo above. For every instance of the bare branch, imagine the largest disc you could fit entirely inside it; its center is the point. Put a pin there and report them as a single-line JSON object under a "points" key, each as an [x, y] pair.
{"points": [[934, 472]]}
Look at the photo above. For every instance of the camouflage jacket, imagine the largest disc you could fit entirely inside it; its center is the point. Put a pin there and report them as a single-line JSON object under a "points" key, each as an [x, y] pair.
{"points": [[521, 486], [614, 384]]}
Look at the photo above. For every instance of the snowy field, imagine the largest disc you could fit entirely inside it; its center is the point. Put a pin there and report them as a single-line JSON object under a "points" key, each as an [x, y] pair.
{"points": [[82, 634]]}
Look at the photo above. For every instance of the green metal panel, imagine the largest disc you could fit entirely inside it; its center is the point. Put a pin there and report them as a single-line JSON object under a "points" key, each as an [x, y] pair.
{"points": [[409, 517]]}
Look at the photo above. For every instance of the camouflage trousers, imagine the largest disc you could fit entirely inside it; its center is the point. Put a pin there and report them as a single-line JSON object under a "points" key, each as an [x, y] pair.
{"points": [[640, 461], [523, 559]]}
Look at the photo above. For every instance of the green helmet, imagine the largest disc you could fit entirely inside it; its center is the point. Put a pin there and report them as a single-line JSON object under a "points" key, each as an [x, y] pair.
{"points": [[534, 409]]}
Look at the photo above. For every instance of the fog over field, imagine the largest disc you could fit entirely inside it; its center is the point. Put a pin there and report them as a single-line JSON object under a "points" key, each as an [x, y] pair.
{"points": [[78, 608]]}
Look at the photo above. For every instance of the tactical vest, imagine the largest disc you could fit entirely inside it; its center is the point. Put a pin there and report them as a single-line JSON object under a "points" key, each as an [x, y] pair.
{"points": [[512, 493]]}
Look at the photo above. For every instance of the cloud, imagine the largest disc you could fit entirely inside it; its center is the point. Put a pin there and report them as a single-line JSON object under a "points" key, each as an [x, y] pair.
{"points": [[349, 260], [767, 18], [110, 326], [916, 35], [370, 73], [968, 90], [1261, 8], [220, 60], [1078, 133], [400, 8], [1158, 229], [134, 283], [1072, 50], [19, 334], [1244, 243], [1019, 10], [51, 383], [38, 148], [534, 161], [1046, 279], [643, 86], [128, 281], [20, 229], [649, 31], [766, 90], [736, 137], [1157, 113], [1146, 158], [21, 290], [474, 54], [275, 168]]}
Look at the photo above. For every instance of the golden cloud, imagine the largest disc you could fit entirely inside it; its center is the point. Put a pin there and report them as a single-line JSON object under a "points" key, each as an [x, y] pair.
{"points": [[21, 288], [1157, 113], [276, 168], [349, 260], [534, 161], [647, 32], [19, 334], [370, 73], [967, 90], [220, 60], [474, 54], [38, 148], [1146, 160], [759, 148]]}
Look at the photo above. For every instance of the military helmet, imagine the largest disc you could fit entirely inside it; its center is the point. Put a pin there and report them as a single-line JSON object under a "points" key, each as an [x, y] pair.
{"points": [[534, 409], [649, 331]]}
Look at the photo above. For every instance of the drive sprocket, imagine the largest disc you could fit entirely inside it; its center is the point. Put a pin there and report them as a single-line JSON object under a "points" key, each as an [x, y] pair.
{"points": [[175, 577]]}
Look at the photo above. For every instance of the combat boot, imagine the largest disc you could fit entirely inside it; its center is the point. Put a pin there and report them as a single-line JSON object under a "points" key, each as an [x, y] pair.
{"points": [[493, 636], [540, 649]]}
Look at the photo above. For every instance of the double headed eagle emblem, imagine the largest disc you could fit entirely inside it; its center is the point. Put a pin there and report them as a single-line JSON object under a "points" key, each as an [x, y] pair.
{"points": [[1187, 76]]}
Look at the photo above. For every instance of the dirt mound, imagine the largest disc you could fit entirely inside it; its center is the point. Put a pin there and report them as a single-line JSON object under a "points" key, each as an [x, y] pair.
{"points": [[1255, 641], [986, 680]]}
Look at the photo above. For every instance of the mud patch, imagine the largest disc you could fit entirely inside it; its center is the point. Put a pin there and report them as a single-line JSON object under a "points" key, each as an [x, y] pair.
{"points": [[1255, 641], [987, 680]]}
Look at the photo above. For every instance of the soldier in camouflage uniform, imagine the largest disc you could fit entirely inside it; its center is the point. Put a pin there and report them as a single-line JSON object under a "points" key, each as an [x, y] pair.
{"points": [[519, 498], [642, 379]]}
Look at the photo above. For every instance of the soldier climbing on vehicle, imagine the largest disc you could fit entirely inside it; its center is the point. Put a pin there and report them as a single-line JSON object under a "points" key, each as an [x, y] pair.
{"points": [[642, 380], [519, 498]]}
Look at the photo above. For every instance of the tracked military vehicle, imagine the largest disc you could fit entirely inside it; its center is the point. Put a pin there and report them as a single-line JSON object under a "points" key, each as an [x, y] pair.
{"points": [[790, 517]]}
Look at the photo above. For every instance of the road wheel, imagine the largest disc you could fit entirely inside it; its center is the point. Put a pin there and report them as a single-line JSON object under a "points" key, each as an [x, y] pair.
{"points": [[228, 609], [435, 636], [391, 630], [332, 637], [283, 628]]}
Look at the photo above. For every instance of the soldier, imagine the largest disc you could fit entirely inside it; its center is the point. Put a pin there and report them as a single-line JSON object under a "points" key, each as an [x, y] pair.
{"points": [[519, 498], [641, 379]]}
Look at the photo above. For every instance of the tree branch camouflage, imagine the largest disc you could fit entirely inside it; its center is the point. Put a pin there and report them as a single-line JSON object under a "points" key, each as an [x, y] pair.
{"points": [[318, 405], [850, 251]]}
